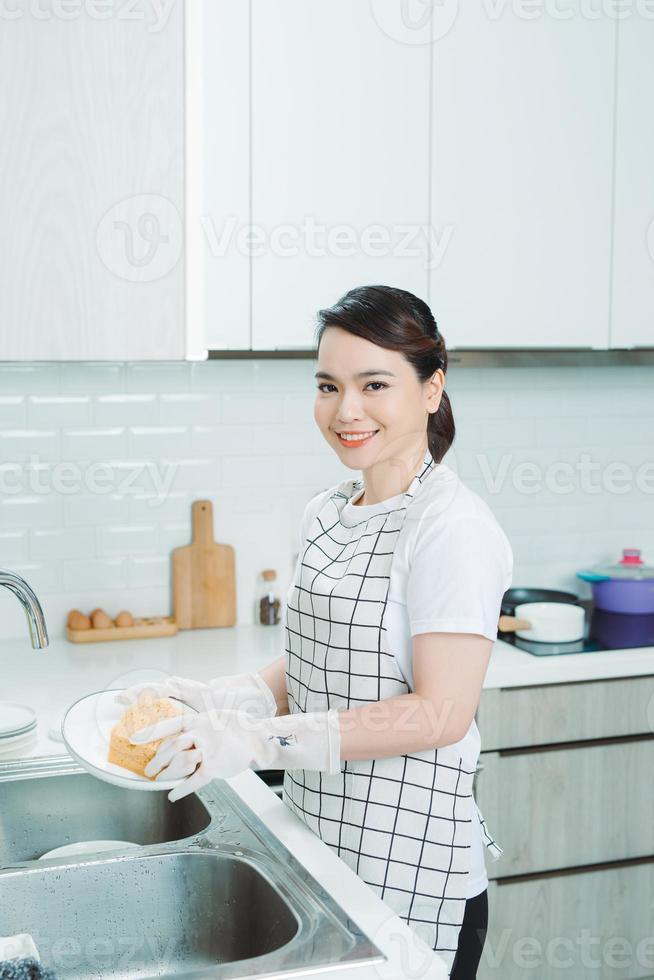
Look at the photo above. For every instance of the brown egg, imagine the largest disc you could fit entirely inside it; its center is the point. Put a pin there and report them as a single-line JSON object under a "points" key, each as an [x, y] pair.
{"points": [[72, 614], [100, 620], [124, 618], [78, 621]]}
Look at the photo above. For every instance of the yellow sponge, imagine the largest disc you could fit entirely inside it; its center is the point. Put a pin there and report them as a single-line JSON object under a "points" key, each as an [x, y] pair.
{"points": [[146, 712]]}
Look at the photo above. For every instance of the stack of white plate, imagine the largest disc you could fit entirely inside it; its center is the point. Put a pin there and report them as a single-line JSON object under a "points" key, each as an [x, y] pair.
{"points": [[18, 734]]}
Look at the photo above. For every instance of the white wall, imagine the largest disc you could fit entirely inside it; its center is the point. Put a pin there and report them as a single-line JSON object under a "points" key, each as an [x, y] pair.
{"points": [[242, 434]]}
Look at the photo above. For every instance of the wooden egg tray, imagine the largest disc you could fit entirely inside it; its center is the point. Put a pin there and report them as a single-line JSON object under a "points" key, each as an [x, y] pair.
{"points": [[149, 626]]}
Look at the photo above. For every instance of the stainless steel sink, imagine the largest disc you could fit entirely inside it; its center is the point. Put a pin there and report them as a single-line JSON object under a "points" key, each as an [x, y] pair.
{"points": [[209, 892], [37, 815]]}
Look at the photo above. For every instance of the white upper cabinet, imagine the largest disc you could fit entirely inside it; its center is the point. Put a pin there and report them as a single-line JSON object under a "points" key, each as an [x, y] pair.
{"points": [[632, 313], [92, 262], [340, 159], [522, 144], [224, 217]]}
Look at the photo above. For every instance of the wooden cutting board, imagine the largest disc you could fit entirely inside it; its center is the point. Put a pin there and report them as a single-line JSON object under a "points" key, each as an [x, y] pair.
{"points": [[204, 586]]}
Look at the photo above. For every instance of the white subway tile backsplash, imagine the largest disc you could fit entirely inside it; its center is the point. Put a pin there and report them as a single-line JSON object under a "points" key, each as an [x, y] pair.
{"points": [[18, 378], [122, 450], [307, 470], [143, 573], [156, 441], [55, 544], [57, 410], [127, 539], [92, 377], [157, 376], [126, 409], [94, 443], [96, 509], [251, 471], [189, 474], [478, 404], [13, 546], [296, 439], [21, 444], [222, 440], [95, 573], [297, 408], [152, 507], [243, 409], [191, 408], [31, 511], [175, 535], [13, 411], [45, 577], [513, 433]]}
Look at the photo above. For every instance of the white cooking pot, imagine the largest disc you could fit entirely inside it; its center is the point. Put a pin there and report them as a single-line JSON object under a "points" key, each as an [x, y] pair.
{"points": [[546, 622]]}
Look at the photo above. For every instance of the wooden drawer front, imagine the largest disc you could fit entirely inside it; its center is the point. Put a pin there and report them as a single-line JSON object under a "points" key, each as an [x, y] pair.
{"points": [[513, 717], [597, 925], [565, 807]]}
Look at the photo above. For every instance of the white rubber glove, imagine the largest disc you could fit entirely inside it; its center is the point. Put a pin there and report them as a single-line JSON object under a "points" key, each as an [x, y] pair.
{"points": [[222, 743], [245, 692]]}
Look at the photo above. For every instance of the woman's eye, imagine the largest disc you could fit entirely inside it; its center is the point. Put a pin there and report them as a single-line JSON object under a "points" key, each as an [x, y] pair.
{"points": [[327, 385]]}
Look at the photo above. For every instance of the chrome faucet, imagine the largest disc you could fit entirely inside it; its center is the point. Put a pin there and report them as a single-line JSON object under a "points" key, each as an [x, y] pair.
{"points": [[28, 600]]}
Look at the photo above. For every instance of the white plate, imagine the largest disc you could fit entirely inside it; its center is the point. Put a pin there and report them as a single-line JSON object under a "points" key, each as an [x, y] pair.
{"points": [[19, 745], [86, 730], [15, 718], [86, 847]]}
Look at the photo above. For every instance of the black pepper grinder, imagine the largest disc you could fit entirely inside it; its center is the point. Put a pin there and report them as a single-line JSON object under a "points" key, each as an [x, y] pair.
{"points": [[267, 603]]}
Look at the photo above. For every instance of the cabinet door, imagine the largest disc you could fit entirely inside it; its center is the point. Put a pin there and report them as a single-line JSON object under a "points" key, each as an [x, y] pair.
{"points": [[518, 717], [521, 178], [92, 191], [574, 805], [632, 322], [225, 212], [596, 925], [340, 131]]}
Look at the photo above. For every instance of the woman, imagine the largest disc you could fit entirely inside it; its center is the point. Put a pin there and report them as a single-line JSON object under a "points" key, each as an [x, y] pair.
{"points": [[389, 626]]}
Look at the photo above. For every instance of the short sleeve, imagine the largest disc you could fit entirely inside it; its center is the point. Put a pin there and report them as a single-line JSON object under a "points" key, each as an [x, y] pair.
{"points": [[458, 574]]}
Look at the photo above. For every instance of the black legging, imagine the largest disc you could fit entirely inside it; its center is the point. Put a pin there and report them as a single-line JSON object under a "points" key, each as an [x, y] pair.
{"points": [[472, 935]]}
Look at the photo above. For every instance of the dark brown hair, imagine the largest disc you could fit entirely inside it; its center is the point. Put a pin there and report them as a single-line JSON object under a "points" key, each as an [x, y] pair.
{"points": [[397, 320]]}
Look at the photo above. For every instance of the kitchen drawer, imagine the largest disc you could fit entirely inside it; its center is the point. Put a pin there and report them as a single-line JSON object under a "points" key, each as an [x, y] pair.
{"points": [[596, 925], [568, 806], [517, 716]]}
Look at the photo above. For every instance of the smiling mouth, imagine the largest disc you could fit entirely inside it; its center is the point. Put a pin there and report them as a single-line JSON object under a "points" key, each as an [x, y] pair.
{"points": [[356, 438]]}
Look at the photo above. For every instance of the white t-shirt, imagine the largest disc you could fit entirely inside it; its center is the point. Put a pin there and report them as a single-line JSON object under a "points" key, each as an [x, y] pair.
{"points": [[451, 566]]}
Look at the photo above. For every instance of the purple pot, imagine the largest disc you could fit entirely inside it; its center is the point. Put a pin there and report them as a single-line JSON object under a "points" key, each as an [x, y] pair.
{"points": [[624, 587], [624, 595]]}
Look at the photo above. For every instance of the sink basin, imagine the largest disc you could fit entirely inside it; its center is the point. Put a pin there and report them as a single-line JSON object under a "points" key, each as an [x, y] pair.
{"points": [[209, 892], [170, 913], [38, 815]]}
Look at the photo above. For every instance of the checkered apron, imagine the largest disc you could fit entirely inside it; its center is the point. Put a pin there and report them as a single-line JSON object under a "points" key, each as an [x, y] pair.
{"points": [[403, 824]]}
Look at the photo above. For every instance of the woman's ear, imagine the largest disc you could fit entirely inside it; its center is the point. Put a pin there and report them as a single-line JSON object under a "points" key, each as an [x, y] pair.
{"points": [[435, 391]]}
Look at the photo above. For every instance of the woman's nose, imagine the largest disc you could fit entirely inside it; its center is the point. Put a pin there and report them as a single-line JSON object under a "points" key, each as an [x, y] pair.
{"points": [[349, 409]]}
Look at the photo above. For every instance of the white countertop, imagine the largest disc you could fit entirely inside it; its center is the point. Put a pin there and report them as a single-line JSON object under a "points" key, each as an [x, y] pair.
{"points": [[52, 679]]}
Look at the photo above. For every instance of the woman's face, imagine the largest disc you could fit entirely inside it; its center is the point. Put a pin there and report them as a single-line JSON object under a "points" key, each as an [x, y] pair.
{"points": [[364, 389]]}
